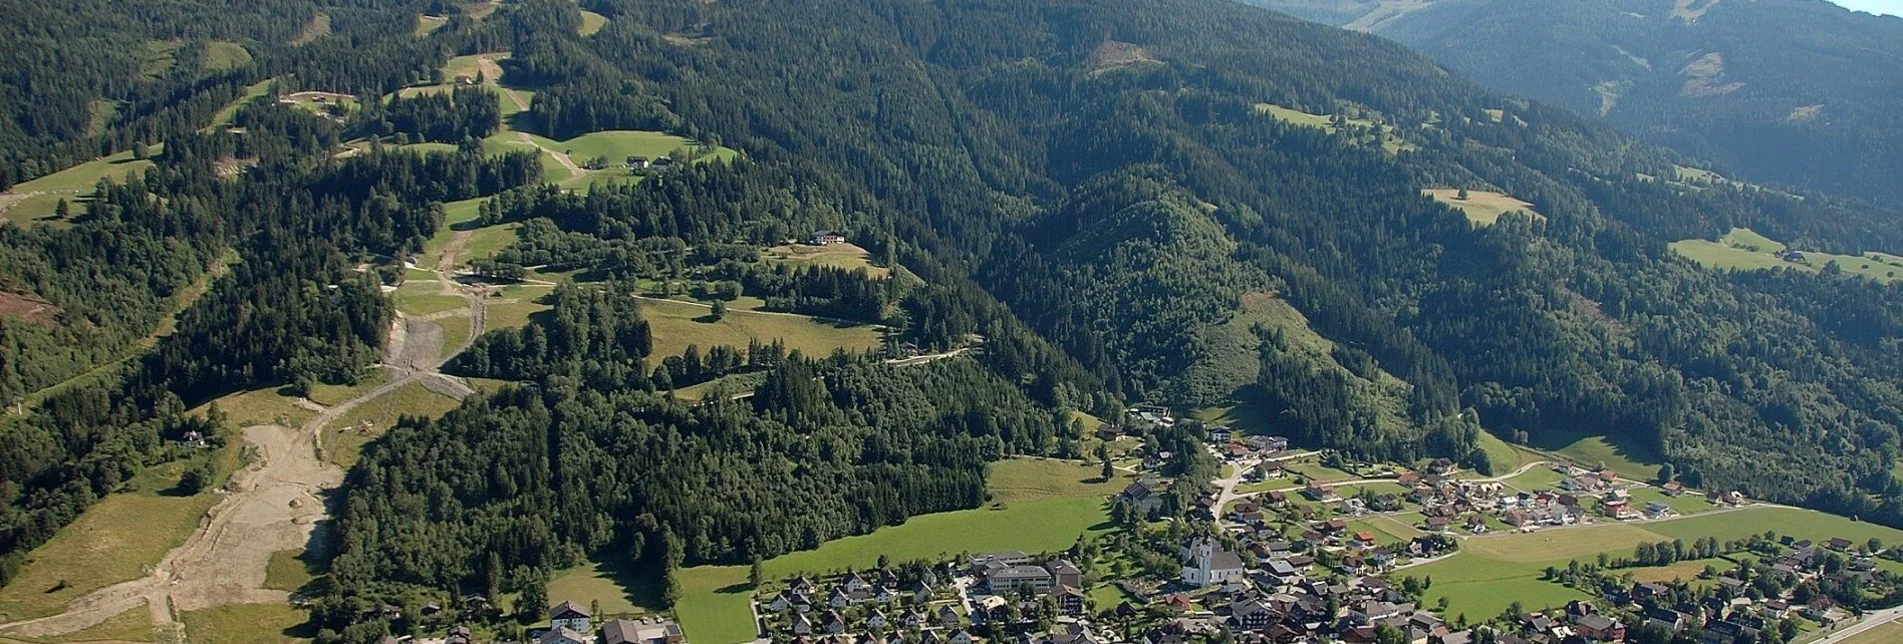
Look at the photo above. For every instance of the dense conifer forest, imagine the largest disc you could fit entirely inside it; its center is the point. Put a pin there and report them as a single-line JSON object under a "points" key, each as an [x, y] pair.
{"points": [[1088, 193]]}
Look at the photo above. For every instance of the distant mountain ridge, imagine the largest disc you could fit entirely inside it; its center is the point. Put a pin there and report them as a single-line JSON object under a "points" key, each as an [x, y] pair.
{"points": [[1794, 91]]}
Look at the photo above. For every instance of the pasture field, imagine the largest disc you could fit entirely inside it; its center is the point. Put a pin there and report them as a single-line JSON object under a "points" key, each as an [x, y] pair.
{"points": [[592, 22], [678, 324], [1799, 523], [1561, 544], [1020, 480], [116, 539], [248, 624], [1481, 207], [846, 256], [318, 27], [41, 208], [1744, 249], [714, 610], [81, 178], [1314, 470], [1386, 530], [457, 216], [1622, 457], [344, 440], [731, 384], [619, 590], [1505, 456]]}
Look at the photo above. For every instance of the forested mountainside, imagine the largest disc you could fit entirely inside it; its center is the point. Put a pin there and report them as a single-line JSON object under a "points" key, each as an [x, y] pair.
{"points": [[1798, 92], [1117, 201]]}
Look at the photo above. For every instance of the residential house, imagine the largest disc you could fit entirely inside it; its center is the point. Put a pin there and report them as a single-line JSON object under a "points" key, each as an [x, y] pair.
{"points": [[1145, 495], [655, 631], [563, 635], [1600, 627], [828, 238], [569, 615], [1070, 600]]}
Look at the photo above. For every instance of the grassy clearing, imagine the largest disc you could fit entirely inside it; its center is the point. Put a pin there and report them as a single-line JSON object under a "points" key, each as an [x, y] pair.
{"points": [[425, 297], [1481, 207], [345, 439], [1386, 530], [41, 209], [222, 55], [318, 27], [328, 395], [714, 604], [254, 90], [1505, 456], [1535, 479], [248, 624], [846, 256], [160, 56], [259, 407], [1561, 544], [619, 590], [456, 329], [485, 242], [287, 571], [1021, 480], [521, 303], [1032, 526], [1744, 249], [1313, 470], [678, 324], [117, 539], [592, 22], [1390, 141], [100, 114], [426, 25], [728, 385]]}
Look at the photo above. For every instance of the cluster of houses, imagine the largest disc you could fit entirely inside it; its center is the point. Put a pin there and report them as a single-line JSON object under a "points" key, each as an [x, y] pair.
{"points": [[1279, 605], [571, 623], [1005, 589]]}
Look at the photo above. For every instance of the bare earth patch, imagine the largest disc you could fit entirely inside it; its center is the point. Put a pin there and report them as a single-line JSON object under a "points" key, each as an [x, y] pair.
{"points": [[1705, 77], [27, 308], [1115, 54], [1805, 113]]}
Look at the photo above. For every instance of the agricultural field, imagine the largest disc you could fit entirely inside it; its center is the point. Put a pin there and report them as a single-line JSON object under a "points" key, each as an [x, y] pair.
{"points": [[1386, 530], [714, 610], [1681, 571], [1481, 207], [344, 440], [1682, 504], [1535, 479], [1315, 471], [248, 624], [1743, 249], [485, 242], [678, 324], [1885, 634], [1504, 456], [116, 539], [846, 256], [1495, 570]]}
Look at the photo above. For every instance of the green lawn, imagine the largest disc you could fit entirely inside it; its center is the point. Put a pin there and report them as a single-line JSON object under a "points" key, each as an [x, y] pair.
{"points": [[1536, 478], [485, 242], [248, 624], [81, 178], [1503, 455], [1629, 460], [221, 55], [1375, 487], [115, 540], [1386, 531], [1316, 471], [678, 324], [324, 394], [456, 330], [343, 439], [1681, 571], [1803, 524]]}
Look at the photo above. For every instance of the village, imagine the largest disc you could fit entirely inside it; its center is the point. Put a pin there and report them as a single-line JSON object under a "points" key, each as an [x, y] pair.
{"points": [[1271, 554]]}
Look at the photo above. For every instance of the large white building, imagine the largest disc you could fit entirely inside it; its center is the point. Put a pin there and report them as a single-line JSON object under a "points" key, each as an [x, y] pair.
{"points": [[1206, 563]]}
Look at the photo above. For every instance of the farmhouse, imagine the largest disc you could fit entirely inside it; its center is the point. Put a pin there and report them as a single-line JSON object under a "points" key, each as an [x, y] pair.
{"points": [[828, 238]]}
